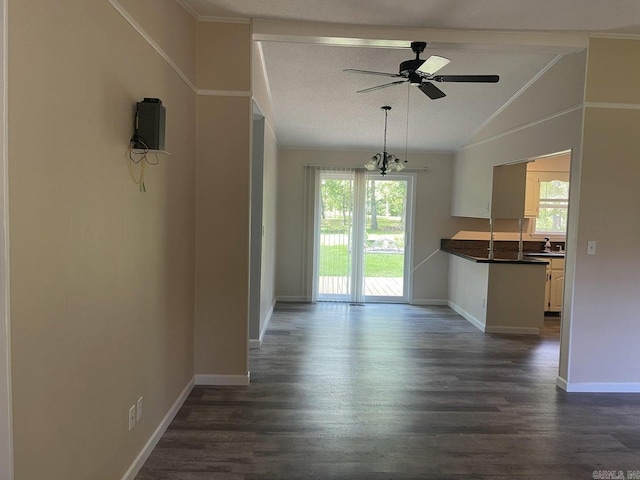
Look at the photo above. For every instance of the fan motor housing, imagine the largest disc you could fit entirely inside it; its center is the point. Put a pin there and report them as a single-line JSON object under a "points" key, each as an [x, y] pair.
{"points": [[409, 66]]}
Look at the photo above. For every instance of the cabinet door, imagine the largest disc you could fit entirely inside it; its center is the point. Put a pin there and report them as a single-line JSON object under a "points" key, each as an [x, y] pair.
{"points": [[532, 196], [547, 290], [556, 290], [508, 191]]}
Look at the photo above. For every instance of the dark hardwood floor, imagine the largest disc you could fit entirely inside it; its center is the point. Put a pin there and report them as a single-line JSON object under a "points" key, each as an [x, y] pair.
{"points": [[397, 392]]}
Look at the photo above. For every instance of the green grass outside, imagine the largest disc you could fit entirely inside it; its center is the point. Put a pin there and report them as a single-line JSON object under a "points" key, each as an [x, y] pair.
{"points": [[385, 225], [334, 262]]}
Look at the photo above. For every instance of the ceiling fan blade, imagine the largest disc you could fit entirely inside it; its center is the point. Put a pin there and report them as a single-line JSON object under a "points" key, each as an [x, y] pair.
{"points": [[466, 78], [381, 86], [431, 65], [369, 72], [431, 91]]}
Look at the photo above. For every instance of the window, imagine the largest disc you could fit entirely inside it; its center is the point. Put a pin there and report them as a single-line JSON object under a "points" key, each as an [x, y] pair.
{"points": [[553, 204]]}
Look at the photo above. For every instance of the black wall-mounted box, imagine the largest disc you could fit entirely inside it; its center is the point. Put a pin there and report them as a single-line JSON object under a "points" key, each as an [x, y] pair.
{"points": [[150, 124]]}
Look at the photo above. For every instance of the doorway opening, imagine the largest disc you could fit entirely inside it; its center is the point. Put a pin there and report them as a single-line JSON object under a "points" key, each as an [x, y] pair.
{"points": [[547, 206], [361, 246]]}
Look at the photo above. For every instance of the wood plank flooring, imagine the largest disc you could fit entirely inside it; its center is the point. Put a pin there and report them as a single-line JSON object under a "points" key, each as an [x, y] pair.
{"points": [[397, 392]]}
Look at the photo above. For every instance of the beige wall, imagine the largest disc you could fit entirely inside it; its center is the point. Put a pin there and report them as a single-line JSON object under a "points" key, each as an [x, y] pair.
{"points": [[102, 276], [222, 201], [432, 221], [524, 286], [605, 316], [224, 56], [545, 119], [539, 122], [171, 27]]}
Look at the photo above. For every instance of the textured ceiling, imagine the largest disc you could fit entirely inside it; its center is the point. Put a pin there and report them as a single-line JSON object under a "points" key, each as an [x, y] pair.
{"points": [[622, 16], [316, 104], [315, 101]]}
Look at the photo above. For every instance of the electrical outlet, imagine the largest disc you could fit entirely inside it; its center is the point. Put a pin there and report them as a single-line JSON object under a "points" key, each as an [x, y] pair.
{"points": [[132, 417], [139, 409], [591, 247]]}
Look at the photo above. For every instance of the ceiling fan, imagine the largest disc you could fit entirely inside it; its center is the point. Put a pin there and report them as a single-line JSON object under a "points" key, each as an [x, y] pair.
{"points": [[421, 73]]}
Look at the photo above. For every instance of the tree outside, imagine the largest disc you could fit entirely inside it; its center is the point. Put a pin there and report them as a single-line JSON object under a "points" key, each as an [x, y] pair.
{"points": [[554, 203], [384, 222]]}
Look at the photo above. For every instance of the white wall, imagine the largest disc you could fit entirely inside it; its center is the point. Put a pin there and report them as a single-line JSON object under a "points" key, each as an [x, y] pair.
{"points": [[265, 205], [431, 214], [268, 267], [468, 289]]}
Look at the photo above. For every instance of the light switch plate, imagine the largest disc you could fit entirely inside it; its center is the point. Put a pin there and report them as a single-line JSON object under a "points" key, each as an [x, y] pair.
{"points": [[591, 247], [132, 417]]}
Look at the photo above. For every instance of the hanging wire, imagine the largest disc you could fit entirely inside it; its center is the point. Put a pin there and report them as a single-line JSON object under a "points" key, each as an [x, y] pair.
{"points": [[142, 160], [406, 132]]}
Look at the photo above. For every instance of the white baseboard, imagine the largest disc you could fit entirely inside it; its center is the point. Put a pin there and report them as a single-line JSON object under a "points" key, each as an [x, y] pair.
{"points": [[267, 321], [600, 387], [561, 383], [427, 301], [257, 342], [468, 317], [513, 330], [157, 435], [203, 379], [293, 299]]}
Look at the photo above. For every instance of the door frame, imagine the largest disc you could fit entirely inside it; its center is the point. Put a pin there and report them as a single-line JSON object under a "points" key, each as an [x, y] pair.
{"points": [[410, 178]]}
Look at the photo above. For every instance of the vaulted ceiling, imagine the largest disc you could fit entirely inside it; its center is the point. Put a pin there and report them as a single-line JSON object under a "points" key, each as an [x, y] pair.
{"points": [[315, 101]]}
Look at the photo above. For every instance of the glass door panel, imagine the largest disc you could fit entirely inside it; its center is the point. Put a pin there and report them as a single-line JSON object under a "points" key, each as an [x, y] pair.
{"points": [[361, 236], [334, 238], [385, 239]]}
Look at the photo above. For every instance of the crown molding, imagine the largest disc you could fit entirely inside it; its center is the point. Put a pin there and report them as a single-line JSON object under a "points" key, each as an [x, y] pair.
{"points": [[214, 19], [188, 8]]}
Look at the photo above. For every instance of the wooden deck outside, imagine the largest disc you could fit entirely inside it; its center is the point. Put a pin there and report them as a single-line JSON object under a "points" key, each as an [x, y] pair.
{"points": [[373, 286]]}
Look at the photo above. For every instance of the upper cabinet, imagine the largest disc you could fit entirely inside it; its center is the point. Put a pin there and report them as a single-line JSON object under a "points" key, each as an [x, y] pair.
{"points": [[532, 196], [508, 191]]}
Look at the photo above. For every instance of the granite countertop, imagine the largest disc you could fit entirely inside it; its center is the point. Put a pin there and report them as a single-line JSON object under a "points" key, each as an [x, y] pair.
{"points": [[504, 251], [546, 254], [499, 257]]}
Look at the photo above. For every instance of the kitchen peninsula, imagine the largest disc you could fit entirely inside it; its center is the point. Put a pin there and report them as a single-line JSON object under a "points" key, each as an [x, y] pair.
{"points": [[503, 295]]}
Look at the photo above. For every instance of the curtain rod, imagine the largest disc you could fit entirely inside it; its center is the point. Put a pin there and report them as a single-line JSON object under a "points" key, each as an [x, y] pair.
{"points": [[406, 169]]}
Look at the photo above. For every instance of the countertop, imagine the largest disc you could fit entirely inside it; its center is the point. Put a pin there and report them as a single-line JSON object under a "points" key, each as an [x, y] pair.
{"points": [[504, 251], [499, 257], [546, 254]]}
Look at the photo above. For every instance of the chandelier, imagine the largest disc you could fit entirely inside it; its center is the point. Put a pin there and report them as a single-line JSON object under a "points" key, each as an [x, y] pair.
{"points": [[384, 161]]}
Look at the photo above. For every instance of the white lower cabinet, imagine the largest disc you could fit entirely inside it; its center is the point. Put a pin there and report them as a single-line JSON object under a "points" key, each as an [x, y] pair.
{"points": [[555, 285]]}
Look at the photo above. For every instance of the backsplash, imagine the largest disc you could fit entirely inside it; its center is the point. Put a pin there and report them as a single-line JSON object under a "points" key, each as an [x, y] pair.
{"points": [[502, 248]]}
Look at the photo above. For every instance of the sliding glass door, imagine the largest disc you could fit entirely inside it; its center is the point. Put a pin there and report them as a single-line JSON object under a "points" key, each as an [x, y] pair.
{"points": [[361, 236]]}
